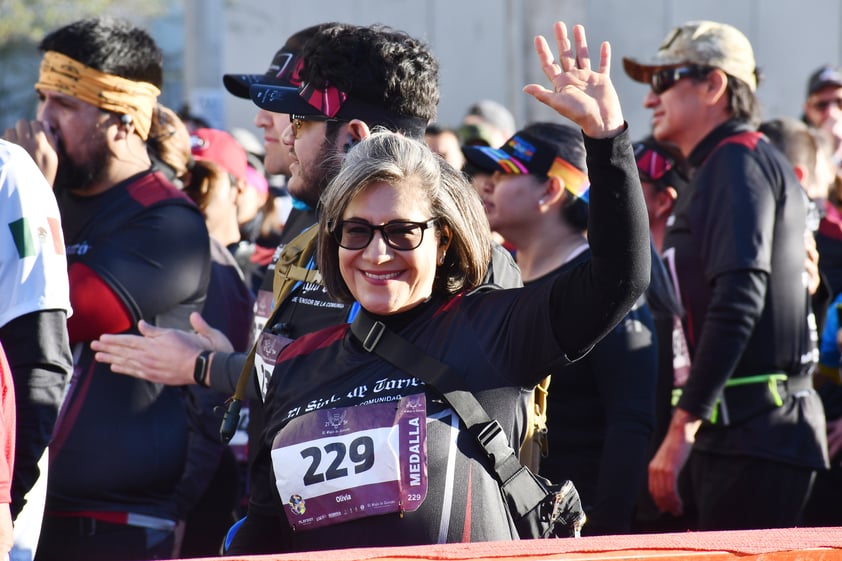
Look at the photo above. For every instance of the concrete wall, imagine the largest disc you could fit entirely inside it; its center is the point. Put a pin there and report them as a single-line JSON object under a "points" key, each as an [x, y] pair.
{"points": [[485, 46]]}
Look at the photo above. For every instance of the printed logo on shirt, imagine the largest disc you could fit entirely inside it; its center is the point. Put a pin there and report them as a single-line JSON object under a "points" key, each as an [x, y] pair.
{"points": [[79, 248], [30, 238]]}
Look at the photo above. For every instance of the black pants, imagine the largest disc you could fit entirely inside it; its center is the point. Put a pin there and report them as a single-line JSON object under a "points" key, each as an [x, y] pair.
{"points": [[214, 514], [86, 539], [741, 493]]}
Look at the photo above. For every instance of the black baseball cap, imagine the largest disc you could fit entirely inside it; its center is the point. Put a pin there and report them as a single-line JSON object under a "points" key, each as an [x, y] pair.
{"points": [[827, 75], [283, 71], [525, 153]]}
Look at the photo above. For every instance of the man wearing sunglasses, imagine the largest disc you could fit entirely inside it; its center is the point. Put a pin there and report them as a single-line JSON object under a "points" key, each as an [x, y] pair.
{"points": [[748, 410], [823, 105]]}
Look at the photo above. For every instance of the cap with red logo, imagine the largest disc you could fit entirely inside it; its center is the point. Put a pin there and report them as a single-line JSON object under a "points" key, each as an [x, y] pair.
{"points": [[220, 148]]}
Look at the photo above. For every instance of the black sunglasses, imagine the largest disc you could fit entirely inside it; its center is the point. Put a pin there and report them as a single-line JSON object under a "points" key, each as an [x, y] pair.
{"points": [[401, 235], [664, 79]]}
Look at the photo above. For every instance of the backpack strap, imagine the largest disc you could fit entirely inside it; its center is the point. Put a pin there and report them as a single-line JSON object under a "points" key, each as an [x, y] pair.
{"points": [[290, 269], [292, 265], [521, 490], [535, 443], [378, 339]]}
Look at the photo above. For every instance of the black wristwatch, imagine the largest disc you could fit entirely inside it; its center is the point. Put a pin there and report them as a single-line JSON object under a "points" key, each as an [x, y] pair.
{"points": [[200, 370]]}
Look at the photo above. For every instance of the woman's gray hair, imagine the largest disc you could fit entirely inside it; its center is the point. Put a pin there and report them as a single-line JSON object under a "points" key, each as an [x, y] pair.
{"points": [[403, 162]]}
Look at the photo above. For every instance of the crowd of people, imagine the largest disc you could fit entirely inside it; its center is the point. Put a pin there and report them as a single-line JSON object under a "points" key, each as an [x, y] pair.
{"points": [[655, 313]]}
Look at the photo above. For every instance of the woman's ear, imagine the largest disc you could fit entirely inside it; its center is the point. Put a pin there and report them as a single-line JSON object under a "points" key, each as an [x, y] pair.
{"points": [[445, 237], [552, 193]]}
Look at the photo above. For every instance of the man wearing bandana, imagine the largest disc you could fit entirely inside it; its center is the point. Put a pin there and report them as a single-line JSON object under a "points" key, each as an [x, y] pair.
{"points": [[120, 465]]}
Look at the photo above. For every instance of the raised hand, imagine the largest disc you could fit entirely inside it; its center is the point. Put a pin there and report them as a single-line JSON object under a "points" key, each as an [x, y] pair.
{"points": [[585, 96]]}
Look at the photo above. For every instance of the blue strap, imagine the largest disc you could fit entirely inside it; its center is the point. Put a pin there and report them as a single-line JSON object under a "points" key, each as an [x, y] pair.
{"points": [[232, 531], [355, 309], [300, 205]]}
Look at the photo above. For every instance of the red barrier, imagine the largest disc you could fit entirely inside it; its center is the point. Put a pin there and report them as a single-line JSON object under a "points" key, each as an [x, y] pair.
{"points": [[791, 544]]}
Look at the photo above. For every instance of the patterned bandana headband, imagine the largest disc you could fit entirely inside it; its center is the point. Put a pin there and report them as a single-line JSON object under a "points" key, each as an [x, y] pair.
{"points": [[62, 74]]}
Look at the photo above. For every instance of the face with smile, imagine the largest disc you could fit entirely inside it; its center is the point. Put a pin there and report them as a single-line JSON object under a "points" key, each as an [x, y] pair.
{"points": [[382, 279]]}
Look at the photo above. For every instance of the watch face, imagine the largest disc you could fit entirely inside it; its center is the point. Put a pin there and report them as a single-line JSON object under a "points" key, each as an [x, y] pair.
{"points": [[201, 368]]}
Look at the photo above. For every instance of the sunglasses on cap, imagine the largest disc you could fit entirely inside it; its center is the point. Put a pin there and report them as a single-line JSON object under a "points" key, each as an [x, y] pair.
{"points": [[664, 79], [651, 165]]}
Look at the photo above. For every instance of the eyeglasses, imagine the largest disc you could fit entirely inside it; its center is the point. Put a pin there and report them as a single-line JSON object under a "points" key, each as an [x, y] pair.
{"points": [[401, 235], [662, 80], [297, 121], [823, 105]]}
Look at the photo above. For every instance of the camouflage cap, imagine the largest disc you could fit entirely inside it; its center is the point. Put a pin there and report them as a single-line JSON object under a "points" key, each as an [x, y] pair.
{"points": [[704, 43]]}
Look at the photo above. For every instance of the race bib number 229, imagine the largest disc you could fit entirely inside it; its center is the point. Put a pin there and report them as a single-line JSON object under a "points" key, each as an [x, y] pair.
{"points": [[336, 465]]}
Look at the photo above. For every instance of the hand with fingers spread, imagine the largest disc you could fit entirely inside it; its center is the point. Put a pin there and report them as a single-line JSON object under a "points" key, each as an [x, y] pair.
{"points": [[160, 355], [36, 138], [585, 96]]}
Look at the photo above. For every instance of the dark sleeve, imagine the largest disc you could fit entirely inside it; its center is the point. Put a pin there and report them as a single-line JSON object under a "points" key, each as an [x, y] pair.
{"points": [[625, 363], [820, 302], [39, 356], [595, 296], [737, 300], [204, 447], [167, 269], [225, 370]]}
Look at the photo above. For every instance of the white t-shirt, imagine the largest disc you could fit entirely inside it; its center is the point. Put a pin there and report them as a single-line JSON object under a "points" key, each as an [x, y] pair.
{"points": [[33, 262]]}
